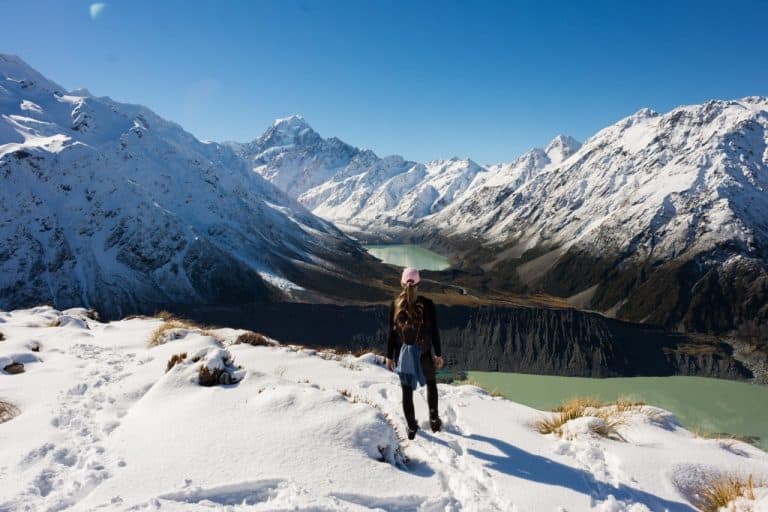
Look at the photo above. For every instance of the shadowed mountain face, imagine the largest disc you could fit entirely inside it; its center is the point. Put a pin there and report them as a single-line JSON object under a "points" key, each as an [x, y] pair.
{"points": [[110, 206], [528, 340]]}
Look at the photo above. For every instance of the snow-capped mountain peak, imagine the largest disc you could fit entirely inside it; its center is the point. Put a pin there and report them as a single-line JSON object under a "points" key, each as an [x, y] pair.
{"points": [[288, 131], [293, 123], [561, 148]]}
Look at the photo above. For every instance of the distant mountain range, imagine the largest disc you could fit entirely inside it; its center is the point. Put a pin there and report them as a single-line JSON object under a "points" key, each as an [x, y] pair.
{"points": [[657, 218]]}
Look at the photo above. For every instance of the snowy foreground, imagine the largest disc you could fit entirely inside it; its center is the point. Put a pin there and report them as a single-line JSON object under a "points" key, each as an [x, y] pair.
{"points": [[103, 426]]}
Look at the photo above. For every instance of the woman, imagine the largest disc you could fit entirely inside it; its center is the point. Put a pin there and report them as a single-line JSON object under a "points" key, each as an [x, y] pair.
{"points": [[413, 334]]}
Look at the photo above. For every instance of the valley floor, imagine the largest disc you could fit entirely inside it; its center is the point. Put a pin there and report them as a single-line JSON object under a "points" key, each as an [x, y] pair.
{"points": [[103, 426]]}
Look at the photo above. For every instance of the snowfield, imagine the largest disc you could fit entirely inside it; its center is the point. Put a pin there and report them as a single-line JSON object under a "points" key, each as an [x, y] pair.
{"points": [[103, 426]]}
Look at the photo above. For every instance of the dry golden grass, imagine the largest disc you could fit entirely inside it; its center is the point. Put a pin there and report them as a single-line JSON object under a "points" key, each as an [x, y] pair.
{"points": [[719, 491], [610, 416], [8, 411], [158, 337], [166, 315], [626, 404], [253, 338], [174, 360], [578, 404], [209, 378], [608, 426]]}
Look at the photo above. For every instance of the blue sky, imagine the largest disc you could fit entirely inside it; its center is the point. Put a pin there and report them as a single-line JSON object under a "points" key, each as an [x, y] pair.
{"points": [[481, 79]]}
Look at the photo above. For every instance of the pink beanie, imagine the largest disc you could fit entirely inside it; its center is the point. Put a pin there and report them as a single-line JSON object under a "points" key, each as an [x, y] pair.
{"points": [[410, 274]]}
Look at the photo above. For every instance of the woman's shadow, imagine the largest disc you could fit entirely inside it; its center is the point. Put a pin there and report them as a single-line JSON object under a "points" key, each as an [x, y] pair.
{"points": [[522, 464]]}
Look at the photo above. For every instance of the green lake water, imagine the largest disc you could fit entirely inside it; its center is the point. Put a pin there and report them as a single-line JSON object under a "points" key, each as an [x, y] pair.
{"points": [[408, 255], [711, 405]]}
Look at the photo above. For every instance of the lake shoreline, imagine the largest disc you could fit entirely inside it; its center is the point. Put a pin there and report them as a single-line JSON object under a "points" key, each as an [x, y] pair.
{"points": [[716, 407]]}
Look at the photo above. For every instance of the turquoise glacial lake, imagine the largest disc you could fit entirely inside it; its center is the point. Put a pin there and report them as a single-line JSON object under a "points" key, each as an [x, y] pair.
{"points": [[409, 255], [708, 405]]}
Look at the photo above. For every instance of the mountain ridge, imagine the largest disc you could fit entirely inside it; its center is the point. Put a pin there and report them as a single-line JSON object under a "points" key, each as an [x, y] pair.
{"points": [[111, 206]]}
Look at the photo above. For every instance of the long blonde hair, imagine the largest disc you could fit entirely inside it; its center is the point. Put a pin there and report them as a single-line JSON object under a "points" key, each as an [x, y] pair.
{"points": [[406, 302]]}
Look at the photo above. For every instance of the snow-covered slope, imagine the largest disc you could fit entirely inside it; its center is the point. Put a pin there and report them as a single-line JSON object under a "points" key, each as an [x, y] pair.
{"points": [[109, 205], [701, 167], [658, 217], [103, 426]]}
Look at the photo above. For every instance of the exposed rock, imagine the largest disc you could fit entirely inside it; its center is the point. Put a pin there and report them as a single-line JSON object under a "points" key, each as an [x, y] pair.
{"points": [[14, 368]]}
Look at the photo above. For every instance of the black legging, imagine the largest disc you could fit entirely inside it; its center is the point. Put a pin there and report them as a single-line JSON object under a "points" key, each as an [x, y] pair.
{"points": [[410, 415]]}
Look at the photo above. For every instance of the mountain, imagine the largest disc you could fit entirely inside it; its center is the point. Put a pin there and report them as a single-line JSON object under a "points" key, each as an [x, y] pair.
{"points": [[657, 218], [365, 195], [108, 205]]}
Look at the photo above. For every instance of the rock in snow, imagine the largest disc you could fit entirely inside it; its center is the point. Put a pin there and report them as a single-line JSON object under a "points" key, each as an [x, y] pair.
{"points": [[103, 426]]}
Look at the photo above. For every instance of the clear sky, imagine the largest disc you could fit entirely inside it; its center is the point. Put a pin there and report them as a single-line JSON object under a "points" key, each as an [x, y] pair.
{"points": [[483, 79]]}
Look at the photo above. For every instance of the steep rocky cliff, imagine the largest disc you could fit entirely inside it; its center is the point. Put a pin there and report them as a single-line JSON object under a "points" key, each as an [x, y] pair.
{"points": [[516, 339]]}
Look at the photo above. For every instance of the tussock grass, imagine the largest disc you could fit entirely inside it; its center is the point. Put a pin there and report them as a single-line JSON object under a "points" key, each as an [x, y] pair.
{"points": [[158, 337], [56, 322], [720, 490], [578, 404], [8, 411], [253, 338], [218, 376], [174, 360], [166, 315], [608, 426], [625, 404], [170, 322], [609, 417], [208, 377]]}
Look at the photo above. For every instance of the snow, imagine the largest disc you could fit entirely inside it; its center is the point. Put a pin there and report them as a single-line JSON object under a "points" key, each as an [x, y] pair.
{"points": [[117, 205], [104, 427]]}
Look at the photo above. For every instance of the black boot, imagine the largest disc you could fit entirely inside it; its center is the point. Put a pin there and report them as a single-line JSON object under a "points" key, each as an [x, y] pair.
{"points": [[412, 431], [434, 421]]}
